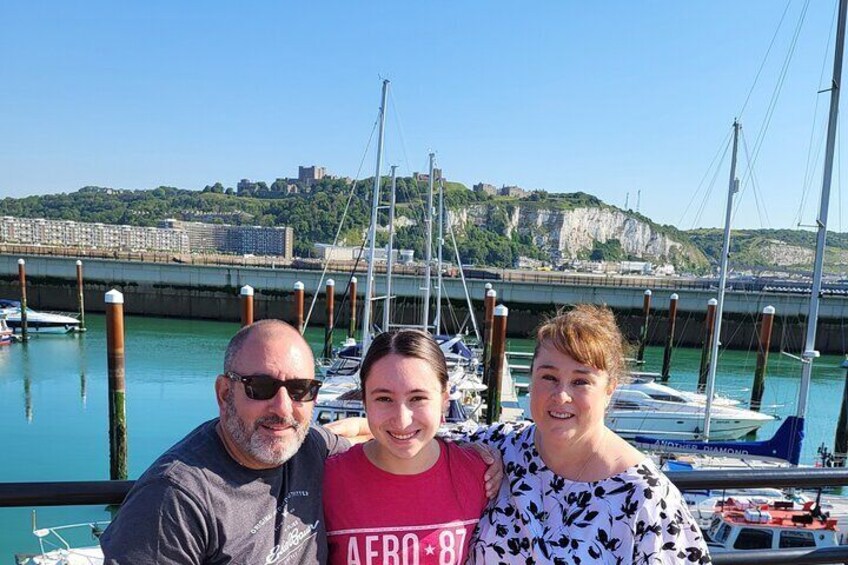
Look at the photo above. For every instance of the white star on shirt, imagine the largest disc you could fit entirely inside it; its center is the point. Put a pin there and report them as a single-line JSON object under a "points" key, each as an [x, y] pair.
{"points": [[430, 550]]}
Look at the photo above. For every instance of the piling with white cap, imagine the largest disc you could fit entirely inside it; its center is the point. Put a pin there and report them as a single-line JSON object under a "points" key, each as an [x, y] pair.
{"points": [[706, 347], [298, 306], [328, 328], [643, 334], [22, 281], [766, 324], [117, 385], [246, 305], [496, 363], [669, 340], [488, 313], [80, 297], [351, 333]]}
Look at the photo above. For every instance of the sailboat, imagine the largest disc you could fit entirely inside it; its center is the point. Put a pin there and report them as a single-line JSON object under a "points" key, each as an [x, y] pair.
{"points": [[787, 442]]}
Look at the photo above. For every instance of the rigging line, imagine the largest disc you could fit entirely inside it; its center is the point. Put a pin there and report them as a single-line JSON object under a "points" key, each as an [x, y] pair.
{"points": [[772, 106], [779, 86], [706, 173], [412, 202], [765, 58], [757, 196], [710, 188], [810, 166], [341, 223]]}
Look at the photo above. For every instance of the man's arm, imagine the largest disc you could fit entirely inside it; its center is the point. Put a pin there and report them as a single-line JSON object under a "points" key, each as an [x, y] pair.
{"points": [[158, 523]]}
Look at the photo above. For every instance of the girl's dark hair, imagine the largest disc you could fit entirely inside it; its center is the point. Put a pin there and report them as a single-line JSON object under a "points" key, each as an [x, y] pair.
{"points": [[406, 343]]}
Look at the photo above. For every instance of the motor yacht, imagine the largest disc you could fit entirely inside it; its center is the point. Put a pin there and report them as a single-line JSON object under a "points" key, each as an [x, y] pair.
{"points": [[37, 322]]}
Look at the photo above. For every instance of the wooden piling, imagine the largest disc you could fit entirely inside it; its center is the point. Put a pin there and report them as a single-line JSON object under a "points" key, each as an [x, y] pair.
{"points": [[80, 297], [351, 332], [328, 329], [298, 306], [22, 281], [706, 347], [496, 364], [766, 324], [643, 334], [840, 447], [117, 386], [489, 308], [669, 341], [246, 305]]}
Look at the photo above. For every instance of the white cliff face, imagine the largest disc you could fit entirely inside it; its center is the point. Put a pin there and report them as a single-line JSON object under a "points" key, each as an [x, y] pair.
{"points": [[566, 233]]}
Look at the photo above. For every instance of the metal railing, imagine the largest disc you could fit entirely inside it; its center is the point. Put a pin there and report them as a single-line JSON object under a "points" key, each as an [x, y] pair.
{"points": [[80, 493]]}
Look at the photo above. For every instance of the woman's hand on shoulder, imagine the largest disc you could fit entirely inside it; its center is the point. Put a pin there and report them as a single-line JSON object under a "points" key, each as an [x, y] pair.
{"points": [[494, 470]]}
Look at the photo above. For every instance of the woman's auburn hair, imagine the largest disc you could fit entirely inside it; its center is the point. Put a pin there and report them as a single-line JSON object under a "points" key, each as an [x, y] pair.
{"points": [[589, 335], [413, 343]]}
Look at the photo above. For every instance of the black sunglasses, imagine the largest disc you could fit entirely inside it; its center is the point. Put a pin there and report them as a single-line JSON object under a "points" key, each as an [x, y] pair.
{"points": [[264, 387]]}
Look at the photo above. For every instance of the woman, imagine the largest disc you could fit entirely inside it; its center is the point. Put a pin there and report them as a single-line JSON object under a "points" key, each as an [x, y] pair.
{"points": [[573, 491], [404, 497]]}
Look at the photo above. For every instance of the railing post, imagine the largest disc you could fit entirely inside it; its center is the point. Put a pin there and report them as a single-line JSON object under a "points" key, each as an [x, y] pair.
{"points": [[117, 385]]}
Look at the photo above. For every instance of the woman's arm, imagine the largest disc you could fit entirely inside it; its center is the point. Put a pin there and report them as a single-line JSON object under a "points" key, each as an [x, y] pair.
{"points": [[355, 430]]}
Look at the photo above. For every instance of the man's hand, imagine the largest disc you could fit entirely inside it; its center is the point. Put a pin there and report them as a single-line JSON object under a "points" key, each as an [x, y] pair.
{"points": [[494, 473], [355, 430]]}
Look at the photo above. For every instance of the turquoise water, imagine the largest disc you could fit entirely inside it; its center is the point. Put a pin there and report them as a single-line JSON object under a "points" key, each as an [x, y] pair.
{"points": [[53, 403]]}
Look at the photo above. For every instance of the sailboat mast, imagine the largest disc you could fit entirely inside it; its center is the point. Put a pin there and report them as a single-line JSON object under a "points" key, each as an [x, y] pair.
{"points": [[810, 352], [372, 231], [441, 240], [390, 259], [428, 253], [733, 188]]}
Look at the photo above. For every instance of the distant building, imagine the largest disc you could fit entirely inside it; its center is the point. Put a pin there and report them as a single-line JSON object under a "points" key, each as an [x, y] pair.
{"points": [[309, 175], [513, 192], [327, 252], [635, 267], [66, 233], [245, 186], [425, 177], [239, 240], [484, 188]]}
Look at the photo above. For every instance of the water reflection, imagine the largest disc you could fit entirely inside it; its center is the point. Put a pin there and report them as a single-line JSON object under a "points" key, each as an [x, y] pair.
{"points": [[26, 373]]}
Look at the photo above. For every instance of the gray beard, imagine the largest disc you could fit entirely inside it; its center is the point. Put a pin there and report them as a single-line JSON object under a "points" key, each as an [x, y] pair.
{"points": [[268, 451]]}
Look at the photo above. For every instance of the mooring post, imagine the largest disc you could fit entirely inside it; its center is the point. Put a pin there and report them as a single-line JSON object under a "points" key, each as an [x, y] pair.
{"points": [[669, 341], [298, 306], [496, 364], [117, 386], [246, 305], [766, 323], [643, 334], [22, 280], [80, 297], [328, 328], [351, 333], [488, 312], [706, 347], [840, 447]]}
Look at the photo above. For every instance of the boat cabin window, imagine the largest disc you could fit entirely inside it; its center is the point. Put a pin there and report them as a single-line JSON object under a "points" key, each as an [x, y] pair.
{"points": [[666, 397], [749, 538], [797, 539], [618, 404], [325, 417], [721, 534]]}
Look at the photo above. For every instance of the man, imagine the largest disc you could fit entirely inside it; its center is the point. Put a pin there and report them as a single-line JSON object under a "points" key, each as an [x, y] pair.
{"points": [[245, 487]]}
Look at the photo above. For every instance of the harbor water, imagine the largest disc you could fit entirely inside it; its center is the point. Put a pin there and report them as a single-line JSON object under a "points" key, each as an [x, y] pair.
{"points": [[54, 405]]}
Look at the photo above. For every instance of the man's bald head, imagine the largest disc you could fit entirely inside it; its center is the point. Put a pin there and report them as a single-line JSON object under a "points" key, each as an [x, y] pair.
{"points": [[270, 330]]}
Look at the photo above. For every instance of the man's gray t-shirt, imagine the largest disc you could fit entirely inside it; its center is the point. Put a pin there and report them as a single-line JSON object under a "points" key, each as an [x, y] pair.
{"points": [[197, 505]]}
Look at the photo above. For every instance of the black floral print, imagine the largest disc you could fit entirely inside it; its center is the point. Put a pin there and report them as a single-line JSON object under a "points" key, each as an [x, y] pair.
{"points": [[635, 517]]}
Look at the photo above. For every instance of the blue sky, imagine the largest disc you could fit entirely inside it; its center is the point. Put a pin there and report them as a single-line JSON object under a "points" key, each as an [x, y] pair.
{"points": [[601, 97]]}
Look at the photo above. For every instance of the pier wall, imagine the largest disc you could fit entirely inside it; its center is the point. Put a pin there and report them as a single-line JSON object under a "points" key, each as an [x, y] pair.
{"points": [[211, 292]]}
